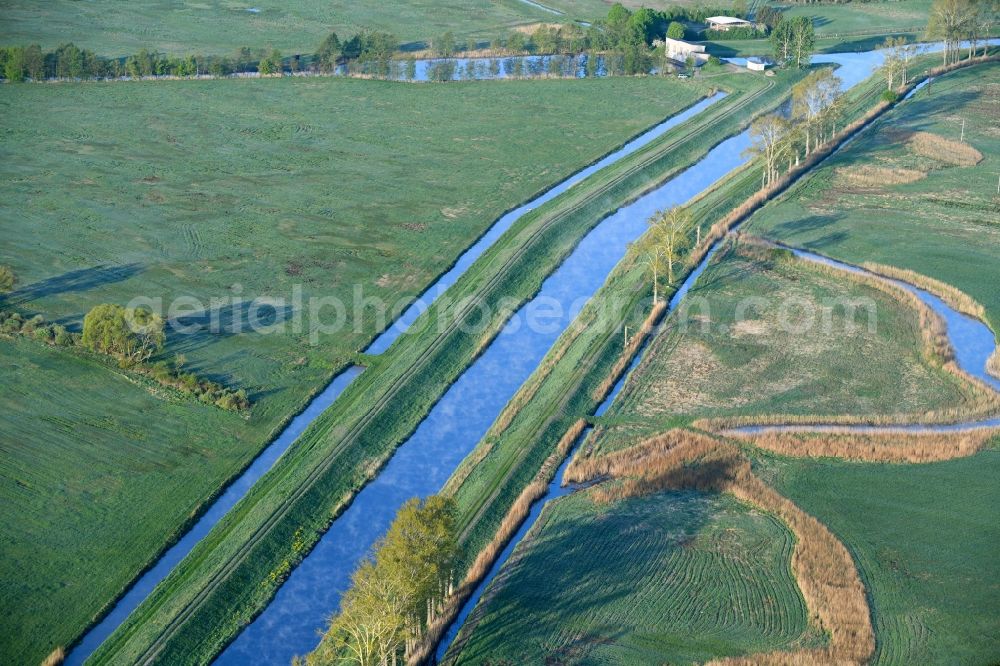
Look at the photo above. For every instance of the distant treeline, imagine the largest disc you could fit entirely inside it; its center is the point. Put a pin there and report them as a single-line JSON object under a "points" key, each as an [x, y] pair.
{"points": [[624, 34]]}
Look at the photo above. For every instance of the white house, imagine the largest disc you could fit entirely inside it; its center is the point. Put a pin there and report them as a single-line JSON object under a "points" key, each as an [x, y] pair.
{"points": [[679, 50], [725, 23]]}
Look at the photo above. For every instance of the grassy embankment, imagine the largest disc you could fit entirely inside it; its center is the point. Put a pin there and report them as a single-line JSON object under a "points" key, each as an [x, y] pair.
{"points": [[168, 189], [218, 589], [909, 449]]}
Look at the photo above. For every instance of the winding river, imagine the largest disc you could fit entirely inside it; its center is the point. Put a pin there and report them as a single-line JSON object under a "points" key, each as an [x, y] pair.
{"points": [[300, 610], [972, 340]]}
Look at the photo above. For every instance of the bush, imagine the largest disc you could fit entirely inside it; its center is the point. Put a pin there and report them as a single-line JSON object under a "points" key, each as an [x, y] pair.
{"points": [[675, 30], [35, 322], [62, 337], [890, 96], [7, 279], [13, 323], [44, 334]]}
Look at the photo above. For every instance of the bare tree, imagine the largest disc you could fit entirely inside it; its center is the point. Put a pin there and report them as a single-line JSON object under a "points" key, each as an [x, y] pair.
{"points": [[811, 98], [950, 21], [768, 134]]}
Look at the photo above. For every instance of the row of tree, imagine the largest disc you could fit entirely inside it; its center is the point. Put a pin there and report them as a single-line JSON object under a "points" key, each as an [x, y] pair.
{"points": [[815, 113], [398, 591], [955, 21]]}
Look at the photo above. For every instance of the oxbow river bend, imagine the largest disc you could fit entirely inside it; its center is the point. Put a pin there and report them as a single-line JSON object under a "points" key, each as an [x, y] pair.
{"points": [[291, 623]]}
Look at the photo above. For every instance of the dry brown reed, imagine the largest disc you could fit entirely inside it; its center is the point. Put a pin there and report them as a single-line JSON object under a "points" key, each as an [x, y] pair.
{"points": [[55, 657], [652, 456], [993, 364], [954, 297], [908, 447], [868, 175], [516, 515], [936, 147]]}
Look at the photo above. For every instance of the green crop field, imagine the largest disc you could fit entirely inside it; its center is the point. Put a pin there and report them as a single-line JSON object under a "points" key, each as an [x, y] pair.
{"points": [[166, 189], [668, 578], [764, 333], [924, 538], [221, 26], [944, 224]]}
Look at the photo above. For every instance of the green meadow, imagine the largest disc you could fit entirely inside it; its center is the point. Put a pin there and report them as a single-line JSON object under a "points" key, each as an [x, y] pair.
{"points": [[222, 26], [213, 189], [943, 223], [924, 538], [675, 577]]}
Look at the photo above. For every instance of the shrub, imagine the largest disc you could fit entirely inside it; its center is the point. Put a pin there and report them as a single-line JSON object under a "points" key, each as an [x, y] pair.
{"points": [[130, 334], [7, 279], [890, 96], [62, 337], [675, 30], [43, 334], [35, 322]]}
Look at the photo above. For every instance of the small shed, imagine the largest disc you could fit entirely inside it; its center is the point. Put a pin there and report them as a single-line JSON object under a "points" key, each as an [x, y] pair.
{"points": [[756, 64], [725, 23]]}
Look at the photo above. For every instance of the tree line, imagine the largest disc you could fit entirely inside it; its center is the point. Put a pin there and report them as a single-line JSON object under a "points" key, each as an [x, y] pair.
{"points": [[130, 336]]}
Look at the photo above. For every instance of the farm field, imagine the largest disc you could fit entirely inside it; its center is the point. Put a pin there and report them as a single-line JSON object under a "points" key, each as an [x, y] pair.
{"points": [[943, 223], [745, 344], [842, 27], [676, 577], [924, 539], [187, 188], [222, 26]]}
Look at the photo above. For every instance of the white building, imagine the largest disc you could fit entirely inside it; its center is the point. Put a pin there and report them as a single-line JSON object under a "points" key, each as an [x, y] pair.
{"points": [[680, 50], [725, 23]]}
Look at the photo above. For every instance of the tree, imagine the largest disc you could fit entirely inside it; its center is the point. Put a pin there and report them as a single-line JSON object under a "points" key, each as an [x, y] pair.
{"points": [[768, 134], [328, 53], [811, 98], [655, 258], [666, 232], [271, 64], [781, 42], [768, 16], [803, 40], [7, 279], [675, 30], [444, 46], [13, 67], [950, 21], [130, 334], [397, 592], [34, 62]]}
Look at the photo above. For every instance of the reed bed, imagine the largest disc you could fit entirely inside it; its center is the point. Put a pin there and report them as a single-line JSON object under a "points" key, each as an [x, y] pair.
{"points": [[55, 657], [993, 364], [937, 147], [651, 456], [871, 176], [873, 447], [487, 556], [956, 298]]}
